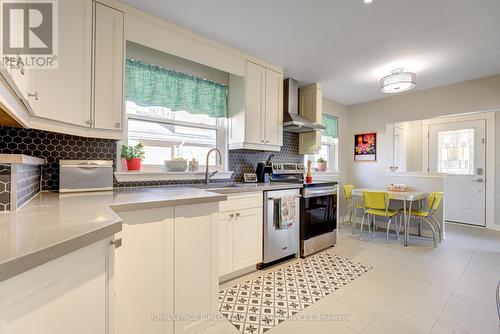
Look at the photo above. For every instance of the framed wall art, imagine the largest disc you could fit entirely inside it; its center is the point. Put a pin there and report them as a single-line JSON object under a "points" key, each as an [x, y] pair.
{"points": [[365, 147]]}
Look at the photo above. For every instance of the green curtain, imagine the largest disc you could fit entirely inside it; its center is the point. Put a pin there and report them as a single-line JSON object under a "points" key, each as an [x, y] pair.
{"points": [[331, 126], [152, 85]]}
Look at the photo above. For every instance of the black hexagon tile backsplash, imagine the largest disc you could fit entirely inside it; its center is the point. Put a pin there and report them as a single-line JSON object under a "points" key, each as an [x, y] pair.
{"points": [[55, 146]]}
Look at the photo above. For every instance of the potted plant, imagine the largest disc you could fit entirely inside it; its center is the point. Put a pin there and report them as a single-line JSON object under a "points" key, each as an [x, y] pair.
{"points": [[322, 165], [133, 155]]}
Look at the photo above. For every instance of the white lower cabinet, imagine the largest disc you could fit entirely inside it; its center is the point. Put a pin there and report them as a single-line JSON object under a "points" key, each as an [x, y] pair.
{"points": [[72, 294], [247, 240], [196, 279], [240, 232], [167, 277], [225, 223], [144, 272]]}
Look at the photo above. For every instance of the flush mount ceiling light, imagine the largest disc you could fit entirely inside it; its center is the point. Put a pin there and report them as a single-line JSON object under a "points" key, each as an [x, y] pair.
{"points": [[397, 82], [367, 1]]}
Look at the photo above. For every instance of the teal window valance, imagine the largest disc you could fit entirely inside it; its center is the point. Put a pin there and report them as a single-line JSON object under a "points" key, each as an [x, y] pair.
{"points": [[152, 85], [331, 126]]}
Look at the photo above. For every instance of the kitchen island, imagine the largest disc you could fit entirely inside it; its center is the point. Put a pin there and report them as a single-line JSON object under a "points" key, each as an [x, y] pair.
{"points": [[62, 259]]}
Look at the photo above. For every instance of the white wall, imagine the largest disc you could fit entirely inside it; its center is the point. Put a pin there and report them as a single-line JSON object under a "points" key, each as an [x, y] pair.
{"points": [[465, 97]]}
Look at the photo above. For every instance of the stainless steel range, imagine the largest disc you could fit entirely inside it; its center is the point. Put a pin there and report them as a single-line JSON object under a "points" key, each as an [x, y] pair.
{"points": [[318, 208]]}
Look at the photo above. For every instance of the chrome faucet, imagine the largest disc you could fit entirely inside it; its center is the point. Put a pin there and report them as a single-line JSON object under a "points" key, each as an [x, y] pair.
{"points": [[207, 174]]}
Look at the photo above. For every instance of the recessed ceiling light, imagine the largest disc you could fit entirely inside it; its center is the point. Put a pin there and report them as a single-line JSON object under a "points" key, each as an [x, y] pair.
{"points": [[368, 1], [398, 82]]}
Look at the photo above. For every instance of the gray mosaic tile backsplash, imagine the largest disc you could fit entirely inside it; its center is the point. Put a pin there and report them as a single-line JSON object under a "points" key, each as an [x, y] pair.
{"points": [[5, 187], [27, 183]]}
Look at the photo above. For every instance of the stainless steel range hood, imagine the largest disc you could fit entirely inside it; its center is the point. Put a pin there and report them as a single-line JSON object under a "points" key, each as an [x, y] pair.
{"points": [[292, 121]]}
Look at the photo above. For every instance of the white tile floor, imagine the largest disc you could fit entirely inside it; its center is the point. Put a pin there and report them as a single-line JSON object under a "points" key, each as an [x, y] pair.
{"points": [[415, 289]]}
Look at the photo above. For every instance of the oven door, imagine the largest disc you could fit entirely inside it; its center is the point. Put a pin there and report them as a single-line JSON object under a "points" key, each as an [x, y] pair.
{"points": [[318, 211]]}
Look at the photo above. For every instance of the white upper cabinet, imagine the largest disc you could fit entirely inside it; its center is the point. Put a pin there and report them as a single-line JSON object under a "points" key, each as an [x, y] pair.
{"points": [[63, 94], [256, 109], [311, 107], [84, 94], [255, 93], [108, 68], [274, 108]]}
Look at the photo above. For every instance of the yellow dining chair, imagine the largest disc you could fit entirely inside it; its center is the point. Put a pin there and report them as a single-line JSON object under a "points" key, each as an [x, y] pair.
{"points": [[376, 204], [427, 215], [350, 210]]}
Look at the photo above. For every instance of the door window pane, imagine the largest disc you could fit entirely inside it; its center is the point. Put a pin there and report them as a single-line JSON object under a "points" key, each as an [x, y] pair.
{"points": [[456, 152]]}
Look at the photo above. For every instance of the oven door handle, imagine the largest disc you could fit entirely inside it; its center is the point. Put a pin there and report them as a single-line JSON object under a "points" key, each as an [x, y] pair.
{"points": [[319, 192], [273, 198]]}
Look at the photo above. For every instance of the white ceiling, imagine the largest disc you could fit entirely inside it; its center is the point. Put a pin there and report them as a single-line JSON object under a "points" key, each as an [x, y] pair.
{"points": [[348, 46]]}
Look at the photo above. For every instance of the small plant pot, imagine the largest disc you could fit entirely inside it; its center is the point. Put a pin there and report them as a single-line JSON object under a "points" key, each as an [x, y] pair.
{"points": [[176, 165], [134, 164], [322, 166]]}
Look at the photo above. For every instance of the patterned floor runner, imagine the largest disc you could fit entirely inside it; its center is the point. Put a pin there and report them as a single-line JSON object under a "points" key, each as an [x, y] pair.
{"points": [[258, 305]]}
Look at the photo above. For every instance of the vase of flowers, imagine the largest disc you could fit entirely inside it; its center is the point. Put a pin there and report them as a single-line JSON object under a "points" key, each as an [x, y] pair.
{"points": [[322, 165], [133, 154]]}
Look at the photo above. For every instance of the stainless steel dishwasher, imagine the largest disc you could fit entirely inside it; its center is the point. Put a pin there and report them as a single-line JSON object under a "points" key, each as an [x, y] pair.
{"points": [[280, 242]]}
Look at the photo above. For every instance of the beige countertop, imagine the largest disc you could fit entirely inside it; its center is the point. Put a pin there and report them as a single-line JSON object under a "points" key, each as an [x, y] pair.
{"points": [[52, 225]]}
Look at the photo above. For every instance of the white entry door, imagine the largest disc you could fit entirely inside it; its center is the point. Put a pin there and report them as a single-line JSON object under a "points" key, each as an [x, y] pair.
{"points": [[458, 149]]}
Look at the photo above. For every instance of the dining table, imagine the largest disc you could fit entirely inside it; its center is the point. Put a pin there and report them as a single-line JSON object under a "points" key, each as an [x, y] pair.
{"points": [[407, 197]]}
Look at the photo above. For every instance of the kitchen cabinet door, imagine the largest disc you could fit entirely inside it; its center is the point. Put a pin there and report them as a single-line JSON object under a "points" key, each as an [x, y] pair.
{"points": [[108, 68], [144, 272], [64, 94], [311, 107], [255, 103], [274, 108], [71, 294], [224, 222], [196, 266], [247, 238]]}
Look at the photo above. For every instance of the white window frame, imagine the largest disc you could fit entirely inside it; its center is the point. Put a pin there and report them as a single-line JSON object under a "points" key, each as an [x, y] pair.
{"points": [[150, 172], [333, 144], [221, 138]]}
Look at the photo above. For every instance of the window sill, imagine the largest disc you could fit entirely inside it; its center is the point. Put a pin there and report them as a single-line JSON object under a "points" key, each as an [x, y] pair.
{"points": [[327, 175], [138, 176]]}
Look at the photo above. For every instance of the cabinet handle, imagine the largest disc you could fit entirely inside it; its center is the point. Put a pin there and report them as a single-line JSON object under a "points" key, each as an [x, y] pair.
{"points": [[34, 95], [231, 215], [89, 122], [116, 242], [117, 125], [237, 214]]}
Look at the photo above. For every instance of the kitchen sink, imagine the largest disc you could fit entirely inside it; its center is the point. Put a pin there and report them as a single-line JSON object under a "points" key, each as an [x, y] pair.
{"points": [[223, 187]]}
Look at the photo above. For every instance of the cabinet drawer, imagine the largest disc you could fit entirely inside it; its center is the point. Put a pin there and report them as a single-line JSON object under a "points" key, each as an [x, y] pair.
{"points": [[241, 201]]}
